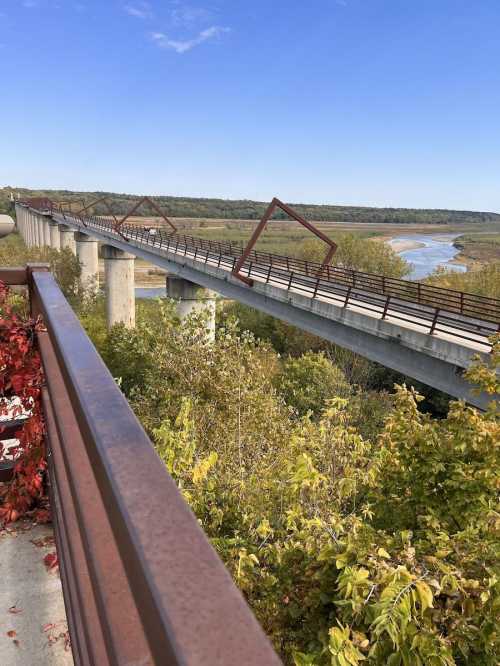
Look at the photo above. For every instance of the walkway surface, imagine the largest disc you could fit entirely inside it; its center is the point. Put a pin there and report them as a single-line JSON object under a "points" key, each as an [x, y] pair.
{"points": [[33, 626]]}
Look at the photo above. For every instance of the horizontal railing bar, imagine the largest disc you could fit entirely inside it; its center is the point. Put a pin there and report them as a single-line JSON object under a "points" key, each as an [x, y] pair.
{"points": [[14, 276]]}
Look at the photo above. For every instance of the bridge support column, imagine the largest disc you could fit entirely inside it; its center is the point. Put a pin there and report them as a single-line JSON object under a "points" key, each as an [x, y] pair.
{"points": [[193, 299], [40, 234], [34, 230], [19, 220], [120, 294], [30, 238], [29, 229], [55, 235], [88, 256], [45, 222], [25, 226], [67, 238]]}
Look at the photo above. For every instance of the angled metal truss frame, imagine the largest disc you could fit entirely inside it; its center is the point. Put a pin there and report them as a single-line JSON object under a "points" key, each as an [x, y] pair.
{"points": [[276, 203], [153, 205], [93, 203]]}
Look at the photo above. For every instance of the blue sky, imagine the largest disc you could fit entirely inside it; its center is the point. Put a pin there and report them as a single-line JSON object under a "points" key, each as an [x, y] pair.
{"points": [[367, 102]]}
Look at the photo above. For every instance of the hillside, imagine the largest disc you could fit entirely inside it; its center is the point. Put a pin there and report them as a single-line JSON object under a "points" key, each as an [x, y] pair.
{"points": [[249, 210]]}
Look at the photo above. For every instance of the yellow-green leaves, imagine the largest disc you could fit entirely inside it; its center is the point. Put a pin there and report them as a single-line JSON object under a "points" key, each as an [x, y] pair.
{"points": [[203, 467], [342, 649], [424, 594]]}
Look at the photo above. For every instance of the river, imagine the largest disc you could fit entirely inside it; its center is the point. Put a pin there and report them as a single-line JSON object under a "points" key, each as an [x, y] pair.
{"points": [[435, 250]]}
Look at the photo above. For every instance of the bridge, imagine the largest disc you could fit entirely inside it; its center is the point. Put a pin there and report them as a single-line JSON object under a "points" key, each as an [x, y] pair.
{"points": [[428, 333]]}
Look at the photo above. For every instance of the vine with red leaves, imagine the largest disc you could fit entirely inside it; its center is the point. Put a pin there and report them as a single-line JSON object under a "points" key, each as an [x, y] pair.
{"points": [[21, 380]]}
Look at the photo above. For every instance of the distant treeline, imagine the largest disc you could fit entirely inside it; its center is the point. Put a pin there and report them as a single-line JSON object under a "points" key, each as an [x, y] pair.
{"points": [[252, 210]]}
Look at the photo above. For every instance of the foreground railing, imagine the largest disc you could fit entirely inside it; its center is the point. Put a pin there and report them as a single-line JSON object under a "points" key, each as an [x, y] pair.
{"points": [[142, 585]]}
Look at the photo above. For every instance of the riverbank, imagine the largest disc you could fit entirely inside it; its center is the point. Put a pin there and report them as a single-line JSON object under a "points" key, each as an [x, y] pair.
{"points": [[478, 250], [403, 244]]}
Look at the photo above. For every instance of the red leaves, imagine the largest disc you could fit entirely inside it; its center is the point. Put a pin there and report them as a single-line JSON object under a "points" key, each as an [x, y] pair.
{"points": [[51, 561], [57, 631], [21, 378], [14, 610]]}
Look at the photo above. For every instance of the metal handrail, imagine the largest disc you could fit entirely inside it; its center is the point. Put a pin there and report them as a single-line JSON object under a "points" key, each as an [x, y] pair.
{"points": [[141, 582]]}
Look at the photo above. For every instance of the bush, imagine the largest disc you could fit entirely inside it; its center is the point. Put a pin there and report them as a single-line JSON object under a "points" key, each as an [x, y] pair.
{"points": [[309, 382], [359, 254]]}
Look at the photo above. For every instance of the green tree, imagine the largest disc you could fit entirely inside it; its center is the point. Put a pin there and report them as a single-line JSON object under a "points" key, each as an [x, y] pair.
{"points": [[359, 254], [307, 383]]}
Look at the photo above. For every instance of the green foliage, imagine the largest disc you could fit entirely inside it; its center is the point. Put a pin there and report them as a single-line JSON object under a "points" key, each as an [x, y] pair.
{"points": [[63, 264], [484, 281], [307, 383], [348, 550], [367, 533]]}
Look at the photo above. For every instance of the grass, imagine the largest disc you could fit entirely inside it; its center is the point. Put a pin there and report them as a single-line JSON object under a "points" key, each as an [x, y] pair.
{"points": [[479, 249]]}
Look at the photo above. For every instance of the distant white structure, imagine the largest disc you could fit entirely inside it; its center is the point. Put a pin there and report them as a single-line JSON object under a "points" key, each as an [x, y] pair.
{"points": [[6, 225]]}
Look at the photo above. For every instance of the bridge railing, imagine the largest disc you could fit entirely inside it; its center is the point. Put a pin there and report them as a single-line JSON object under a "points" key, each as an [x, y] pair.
{"points": [[142, 584], [469, 305]]}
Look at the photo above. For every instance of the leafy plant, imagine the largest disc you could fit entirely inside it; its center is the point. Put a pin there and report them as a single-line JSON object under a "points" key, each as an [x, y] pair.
{"points": [[21, 379]]}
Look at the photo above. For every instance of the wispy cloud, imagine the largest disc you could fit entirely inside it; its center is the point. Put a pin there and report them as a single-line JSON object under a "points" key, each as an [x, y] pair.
{"points": [[182, 46], [141, 10], [29, 4], [184, 15]]}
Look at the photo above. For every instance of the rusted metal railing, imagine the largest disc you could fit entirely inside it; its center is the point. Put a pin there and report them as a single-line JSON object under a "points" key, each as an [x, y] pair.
{"points": [[142, 584]]}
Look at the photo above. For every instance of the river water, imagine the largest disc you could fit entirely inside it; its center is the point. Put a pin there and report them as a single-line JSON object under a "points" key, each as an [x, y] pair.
{"points": [[437, 251], [150, 292]]}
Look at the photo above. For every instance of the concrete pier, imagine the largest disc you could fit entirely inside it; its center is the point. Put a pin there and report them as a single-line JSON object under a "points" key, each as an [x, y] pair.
{"points": [[35, 241], [67, 238], [45, 224], [192, 298], [55, 235], [120, 294], [31, 229], [39, 235], [88, 256]]}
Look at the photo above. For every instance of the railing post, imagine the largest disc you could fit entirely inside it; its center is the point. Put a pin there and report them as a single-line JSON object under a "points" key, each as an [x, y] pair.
{"points": [[386, 306], [347, 296], [434, 321]]}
